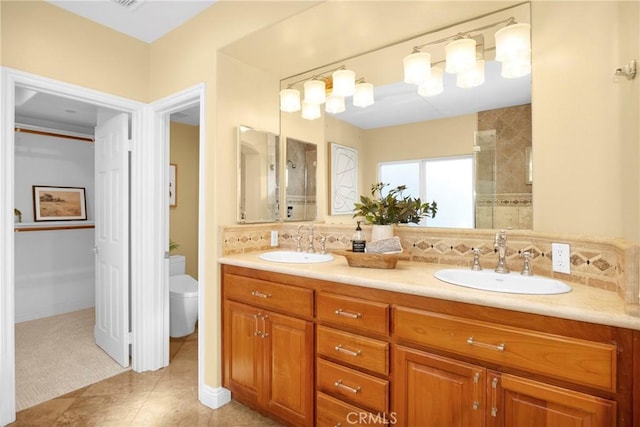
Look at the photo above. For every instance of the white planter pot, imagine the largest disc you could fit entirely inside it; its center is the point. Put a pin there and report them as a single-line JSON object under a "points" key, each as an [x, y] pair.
{"points": [[380, 232]]}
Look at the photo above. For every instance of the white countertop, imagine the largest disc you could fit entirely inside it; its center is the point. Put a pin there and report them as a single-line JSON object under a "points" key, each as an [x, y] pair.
{"points": [[583, 303]]}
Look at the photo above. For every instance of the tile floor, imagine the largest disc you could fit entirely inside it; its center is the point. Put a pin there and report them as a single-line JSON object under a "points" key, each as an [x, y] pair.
{"points": [[167, 397]]}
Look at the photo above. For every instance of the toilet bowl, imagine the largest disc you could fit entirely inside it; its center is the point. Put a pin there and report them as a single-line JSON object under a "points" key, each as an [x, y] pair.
{"points": [[183, 305], [183, 299]]}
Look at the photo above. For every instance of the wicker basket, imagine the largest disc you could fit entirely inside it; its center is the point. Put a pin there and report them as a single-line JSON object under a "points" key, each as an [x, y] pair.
{"points": [[365, 260]]}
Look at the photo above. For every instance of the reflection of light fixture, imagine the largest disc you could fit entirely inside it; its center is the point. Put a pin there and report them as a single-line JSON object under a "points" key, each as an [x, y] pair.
{"points": [[310, 111], [471, 77], [363, 96], [464, 56], [434, 84], [316, 88], [335, 104]]}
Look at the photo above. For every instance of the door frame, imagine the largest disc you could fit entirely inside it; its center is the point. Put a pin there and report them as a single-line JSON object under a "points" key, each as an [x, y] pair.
{"points": [[159, 126], [145, 187]]}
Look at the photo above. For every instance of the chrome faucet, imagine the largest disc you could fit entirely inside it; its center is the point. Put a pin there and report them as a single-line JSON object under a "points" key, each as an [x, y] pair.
{"points": [[500, 243], [310, 248]]}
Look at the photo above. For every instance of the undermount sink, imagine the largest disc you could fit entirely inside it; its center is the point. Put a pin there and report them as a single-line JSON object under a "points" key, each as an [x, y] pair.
{"points": [[513, 283], [295, 257]]}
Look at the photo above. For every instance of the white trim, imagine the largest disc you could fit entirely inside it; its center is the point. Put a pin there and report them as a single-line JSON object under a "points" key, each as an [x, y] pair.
{"points": [[10, 79], [161, 110], [214, 397]]}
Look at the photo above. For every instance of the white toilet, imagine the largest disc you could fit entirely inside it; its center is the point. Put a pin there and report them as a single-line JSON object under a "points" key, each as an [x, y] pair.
{"points": [[183, 299]]}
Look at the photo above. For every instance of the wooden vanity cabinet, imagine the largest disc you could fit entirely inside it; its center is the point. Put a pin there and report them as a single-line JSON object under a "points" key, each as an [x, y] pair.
{"points": [[268, 355], [440, 391], [330, 351]]}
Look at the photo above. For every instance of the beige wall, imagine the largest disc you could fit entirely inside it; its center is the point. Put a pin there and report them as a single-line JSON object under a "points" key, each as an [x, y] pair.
{"points": [[46, 40], [183, 218], [585, 124]]}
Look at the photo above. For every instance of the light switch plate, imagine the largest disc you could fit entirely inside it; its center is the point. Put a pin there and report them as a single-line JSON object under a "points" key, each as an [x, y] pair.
{"points": [[274, 237], [561, 257]]}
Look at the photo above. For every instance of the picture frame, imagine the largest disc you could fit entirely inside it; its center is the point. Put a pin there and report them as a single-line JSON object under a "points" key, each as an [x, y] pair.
{"points": [[343, 179], [59, 203], [173, 185]]}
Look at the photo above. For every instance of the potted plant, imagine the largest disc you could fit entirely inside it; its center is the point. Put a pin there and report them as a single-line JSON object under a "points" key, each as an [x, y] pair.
{"points": [[17, 214], [392, 208]]}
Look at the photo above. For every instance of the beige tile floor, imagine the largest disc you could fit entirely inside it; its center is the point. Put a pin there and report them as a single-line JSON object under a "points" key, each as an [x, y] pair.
{"points": [[167, 397]]}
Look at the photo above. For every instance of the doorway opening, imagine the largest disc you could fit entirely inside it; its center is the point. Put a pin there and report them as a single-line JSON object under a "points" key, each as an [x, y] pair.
{"points": [[57, 200]]}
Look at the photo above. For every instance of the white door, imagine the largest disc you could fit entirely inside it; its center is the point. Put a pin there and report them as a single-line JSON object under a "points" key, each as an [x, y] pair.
{"points": [[112, 238]]}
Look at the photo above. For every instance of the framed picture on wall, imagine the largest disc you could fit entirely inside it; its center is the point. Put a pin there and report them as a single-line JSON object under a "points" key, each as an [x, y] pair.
{"points": [[59, 203], [173, 185], [343, 179]]}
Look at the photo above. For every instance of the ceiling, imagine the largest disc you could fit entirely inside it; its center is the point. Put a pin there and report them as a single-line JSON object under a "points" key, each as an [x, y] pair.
{"points": [[148, 20], [145, 20]]}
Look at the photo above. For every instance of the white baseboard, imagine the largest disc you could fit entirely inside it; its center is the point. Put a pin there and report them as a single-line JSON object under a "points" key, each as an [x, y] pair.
{"points": [[214, 397]]}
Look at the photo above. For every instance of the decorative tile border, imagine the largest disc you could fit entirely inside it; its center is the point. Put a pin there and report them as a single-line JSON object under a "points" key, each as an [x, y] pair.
{"points": [[609, 264]]}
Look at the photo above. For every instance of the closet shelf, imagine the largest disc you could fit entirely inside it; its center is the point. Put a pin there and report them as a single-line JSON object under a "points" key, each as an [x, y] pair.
{"points": [[54, 225]]}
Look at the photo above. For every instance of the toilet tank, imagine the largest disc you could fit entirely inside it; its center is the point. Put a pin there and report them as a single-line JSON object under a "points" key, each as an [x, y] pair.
{"points": [[177, 264]]}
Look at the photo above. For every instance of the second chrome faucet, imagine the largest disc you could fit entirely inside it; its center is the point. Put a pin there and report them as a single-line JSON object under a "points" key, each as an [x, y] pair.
{"points": [[500, 243]]}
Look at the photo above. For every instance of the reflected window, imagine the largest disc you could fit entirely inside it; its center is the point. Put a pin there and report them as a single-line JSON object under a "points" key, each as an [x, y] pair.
{"points": [[447, 180]]}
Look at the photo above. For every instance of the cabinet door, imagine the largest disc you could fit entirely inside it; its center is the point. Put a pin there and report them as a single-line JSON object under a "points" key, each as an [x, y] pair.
{"points": [[515, 401], [288, 367], [242, 356], [430, 390]]}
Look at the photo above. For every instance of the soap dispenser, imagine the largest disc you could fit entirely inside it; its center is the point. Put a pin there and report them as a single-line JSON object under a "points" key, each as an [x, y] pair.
{"points": [[358, 243]]}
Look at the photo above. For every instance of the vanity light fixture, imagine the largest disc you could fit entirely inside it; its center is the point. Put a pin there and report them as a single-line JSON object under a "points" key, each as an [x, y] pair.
{"points": [[464, 56], [344, 82], [329, 89], [315, 92], [290, 100], [417, 67], [460, 54]]}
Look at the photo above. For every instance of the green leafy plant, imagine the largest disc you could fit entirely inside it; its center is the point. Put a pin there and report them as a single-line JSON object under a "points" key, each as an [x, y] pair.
{"points": [[394, 208], [173, 246], [17, 213]]}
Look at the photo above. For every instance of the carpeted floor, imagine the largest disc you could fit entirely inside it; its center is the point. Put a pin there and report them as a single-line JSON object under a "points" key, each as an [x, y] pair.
{"points": [[56, 355]]}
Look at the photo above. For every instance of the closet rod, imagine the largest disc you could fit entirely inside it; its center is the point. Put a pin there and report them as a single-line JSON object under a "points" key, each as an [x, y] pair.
{"points": [[59, 135]]}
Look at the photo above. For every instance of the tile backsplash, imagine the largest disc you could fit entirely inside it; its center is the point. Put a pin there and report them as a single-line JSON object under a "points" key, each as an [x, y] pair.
{"points": [[609, 264]]}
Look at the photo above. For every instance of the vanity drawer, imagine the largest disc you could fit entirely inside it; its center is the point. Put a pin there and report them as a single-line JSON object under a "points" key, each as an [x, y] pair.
{"points": [[331, 412], [355, 350], [352, 386], [274, 296], [579, 361], [354, 313]]}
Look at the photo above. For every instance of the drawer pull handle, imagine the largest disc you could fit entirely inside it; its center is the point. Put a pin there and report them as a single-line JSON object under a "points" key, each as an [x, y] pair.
{"points": [[340, 349], [346, 387], [260, 294], [499, 347], [341, 312]]}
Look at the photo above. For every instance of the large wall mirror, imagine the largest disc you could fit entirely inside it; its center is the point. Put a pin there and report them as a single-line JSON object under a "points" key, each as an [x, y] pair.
{"points": [[490, 122], [258, 175]]}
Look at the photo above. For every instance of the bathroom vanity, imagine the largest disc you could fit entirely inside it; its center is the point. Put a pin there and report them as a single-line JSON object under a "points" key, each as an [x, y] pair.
{"points": [[329, 345]]}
